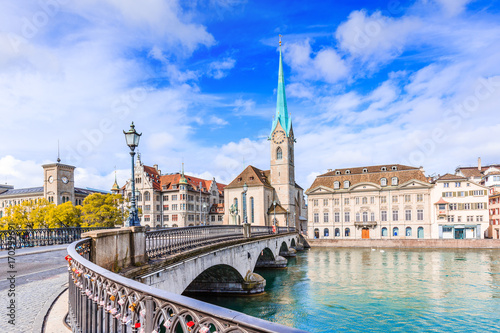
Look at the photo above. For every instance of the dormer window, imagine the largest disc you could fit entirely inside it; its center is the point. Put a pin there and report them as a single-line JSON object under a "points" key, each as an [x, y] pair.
{"points": [[394, 181], [337, 172], [383, 182], [346, 184], [383, 169], [347, 172], [394, 168], [365, 170], [336, 185]]}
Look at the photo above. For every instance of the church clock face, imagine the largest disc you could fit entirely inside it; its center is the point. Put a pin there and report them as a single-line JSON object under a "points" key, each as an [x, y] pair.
{"points": [[65, 180], [279, 137], [51, 179]]}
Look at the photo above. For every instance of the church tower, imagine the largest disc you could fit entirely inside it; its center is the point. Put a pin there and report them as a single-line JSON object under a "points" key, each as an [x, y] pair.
{"points": [[282, 148]]}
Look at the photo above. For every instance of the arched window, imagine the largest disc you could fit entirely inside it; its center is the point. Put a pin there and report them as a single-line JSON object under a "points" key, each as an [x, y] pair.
{"points": [[147, 196], [408, 231], [252, 212], [337, 232], [139, 197], [365, 216], [336, 185], [347, 232], [395, 231], [384, 231], [316, 233], [420, 232], [364, 200], [279, 153], [326, 233], [383, 182]]}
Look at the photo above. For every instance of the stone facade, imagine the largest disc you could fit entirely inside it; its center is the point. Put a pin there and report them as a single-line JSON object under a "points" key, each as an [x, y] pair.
{"points": [[273, 197], [376, 202], [174, 200], [58, 187]]}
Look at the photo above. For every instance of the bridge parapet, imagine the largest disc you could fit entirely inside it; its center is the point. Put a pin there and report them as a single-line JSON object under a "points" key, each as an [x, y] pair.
{"points": [[103, 301]]}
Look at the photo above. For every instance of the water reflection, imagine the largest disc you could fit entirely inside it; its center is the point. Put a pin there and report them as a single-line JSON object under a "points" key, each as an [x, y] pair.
{"points": [[378, 291]]}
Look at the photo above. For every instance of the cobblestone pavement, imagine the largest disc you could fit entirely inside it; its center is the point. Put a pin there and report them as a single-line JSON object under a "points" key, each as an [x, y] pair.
{"points": [[39, 278]]}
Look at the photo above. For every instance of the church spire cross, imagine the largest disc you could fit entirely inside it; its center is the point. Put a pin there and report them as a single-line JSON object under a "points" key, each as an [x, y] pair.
{"points": [[282, 117]]}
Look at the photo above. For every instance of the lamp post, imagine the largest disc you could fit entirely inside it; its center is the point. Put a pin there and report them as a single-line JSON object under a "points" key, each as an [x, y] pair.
{"points": [[132, 139], [274, 219], [245, 189], [201, 223]]}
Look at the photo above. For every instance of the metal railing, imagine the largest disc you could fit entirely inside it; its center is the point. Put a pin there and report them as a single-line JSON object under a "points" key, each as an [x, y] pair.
{"points": [[41, 237], [164, 242], [102, 301]]}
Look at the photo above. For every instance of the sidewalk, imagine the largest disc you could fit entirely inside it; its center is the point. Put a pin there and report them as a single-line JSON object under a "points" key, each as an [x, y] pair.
{"points": [[34, 250], [54, 322]]}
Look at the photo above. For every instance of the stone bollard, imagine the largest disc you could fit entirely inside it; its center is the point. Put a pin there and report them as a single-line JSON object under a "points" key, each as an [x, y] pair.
{"points": [[247, 230]]}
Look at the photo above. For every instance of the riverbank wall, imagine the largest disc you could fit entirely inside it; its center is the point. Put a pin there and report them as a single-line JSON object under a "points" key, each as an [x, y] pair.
{"points": [[408, 243]]}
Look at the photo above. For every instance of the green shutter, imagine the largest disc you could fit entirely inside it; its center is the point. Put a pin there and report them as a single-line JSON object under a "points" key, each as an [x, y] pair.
{"points": [[454, 194], [466, 194], [470, 192], [443, 194], [485, 192]]}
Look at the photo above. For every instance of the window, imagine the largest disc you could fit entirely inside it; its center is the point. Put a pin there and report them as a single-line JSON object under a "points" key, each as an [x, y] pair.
{"points": [[408, 231], [447, 194], [337, 217], [395, 231], [365, 200], [365, 170], [420, 214], [365, 216], [420, 197], [336, 202], [336, 185], [165, 218], [347, 172], [383, 216], [165, 198], [451, 218], [383, 169], [235, 202], [395, 215], [174, 218], [467, 205], [337, 172], [337, 232], [147, 196], [279, 153], [383, 182], [325, 202], [480, 205], [326, 232], [316, 218], [408, 215], [174, 197], [479, 218], [394, 168], [420, 232], [384, 232], [383, 200], [325, 217], [394, 181], [446, 185], [479, 192], [213, 218], [407, 197], [346, 184], [358, 217], [174, 207], [372, 200], [357, 200], [394, 198], [147, 208], [139, 197], [347, 217], [372, 217], [315, 202], [346, 201], [457, 184], [347, 232]]}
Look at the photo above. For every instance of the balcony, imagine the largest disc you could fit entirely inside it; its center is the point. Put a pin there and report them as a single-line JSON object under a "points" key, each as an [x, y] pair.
{"points": [[365, 224]]}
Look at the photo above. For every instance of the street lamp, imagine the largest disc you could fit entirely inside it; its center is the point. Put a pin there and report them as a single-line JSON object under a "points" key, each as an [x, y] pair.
{"points": [[132, 139], [245, 189]]}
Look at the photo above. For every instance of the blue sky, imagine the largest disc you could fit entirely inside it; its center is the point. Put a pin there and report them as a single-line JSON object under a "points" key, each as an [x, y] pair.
{"points": [[368, 82]]}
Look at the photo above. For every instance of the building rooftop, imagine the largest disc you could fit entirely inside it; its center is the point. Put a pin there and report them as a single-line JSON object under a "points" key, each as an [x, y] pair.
{"points": [[29, 190]]}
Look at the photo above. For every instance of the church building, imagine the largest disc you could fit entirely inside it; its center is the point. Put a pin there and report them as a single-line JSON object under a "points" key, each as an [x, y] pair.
{"points": [[270, 197]]}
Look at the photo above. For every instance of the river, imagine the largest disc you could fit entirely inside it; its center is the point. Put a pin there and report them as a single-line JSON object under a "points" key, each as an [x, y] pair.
{"points": [[373, 290]]}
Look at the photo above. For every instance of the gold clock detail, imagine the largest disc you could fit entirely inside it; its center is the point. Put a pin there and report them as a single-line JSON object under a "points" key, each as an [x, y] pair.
{"points": [[279, 137]]}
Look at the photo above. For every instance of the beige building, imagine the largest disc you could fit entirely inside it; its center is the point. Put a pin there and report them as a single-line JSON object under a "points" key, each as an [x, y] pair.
{"points": [[377, 202], [494, 207], [174, 200], [460, 208], [273, 197], [58, 187]]}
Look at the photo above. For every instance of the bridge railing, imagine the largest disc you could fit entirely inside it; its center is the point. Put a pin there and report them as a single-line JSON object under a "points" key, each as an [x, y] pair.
{"points": [[173, 240], [102, 301], [41, 237]]}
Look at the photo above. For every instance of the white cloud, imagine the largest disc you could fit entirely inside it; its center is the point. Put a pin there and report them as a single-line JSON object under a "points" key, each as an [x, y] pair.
{"points": [[219, 69]]}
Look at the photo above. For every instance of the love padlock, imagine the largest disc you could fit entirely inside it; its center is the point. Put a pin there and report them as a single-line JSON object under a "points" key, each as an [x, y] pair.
{"points": [[167, 323], [113, 311], [112, 298], [204, 329], [121, 301], [132, 307], [142, 313]]}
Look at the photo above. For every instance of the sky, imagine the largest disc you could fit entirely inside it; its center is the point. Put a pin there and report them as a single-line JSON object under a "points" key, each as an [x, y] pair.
{"points": [[367, 83]]}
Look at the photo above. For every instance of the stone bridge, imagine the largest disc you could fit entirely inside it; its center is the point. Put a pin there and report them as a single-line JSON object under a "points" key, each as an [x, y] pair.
{"points": [[226, 270]]}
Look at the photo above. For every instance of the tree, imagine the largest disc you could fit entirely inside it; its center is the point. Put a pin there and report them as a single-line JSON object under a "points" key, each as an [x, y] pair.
{"points": [[29, 214], [101, 210], [65, 215]]}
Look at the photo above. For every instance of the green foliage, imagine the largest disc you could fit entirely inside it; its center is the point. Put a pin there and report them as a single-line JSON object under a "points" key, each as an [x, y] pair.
{"points": [[65, 215], [101, 210]]}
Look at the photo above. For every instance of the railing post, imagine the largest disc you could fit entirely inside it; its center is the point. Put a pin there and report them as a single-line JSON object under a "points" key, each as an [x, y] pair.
{"points": [[149, 325]]}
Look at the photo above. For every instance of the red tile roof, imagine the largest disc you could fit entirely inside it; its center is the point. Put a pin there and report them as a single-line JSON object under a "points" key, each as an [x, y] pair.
{"points": [[251, 176], [449, 176], [169, 180], [441, 201]]}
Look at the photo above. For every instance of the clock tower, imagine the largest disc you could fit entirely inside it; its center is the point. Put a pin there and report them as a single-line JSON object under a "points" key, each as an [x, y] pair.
{"points": [[282, 149], [59, 182]]}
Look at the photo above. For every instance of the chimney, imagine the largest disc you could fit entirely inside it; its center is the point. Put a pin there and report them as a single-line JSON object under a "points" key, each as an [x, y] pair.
{"points": [[329, 170], [479, 163], [155, 166]]}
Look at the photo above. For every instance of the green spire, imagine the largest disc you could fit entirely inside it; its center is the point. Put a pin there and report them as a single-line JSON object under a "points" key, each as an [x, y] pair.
{"points": [[183, 179], [282, 115], [115, 185]]}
